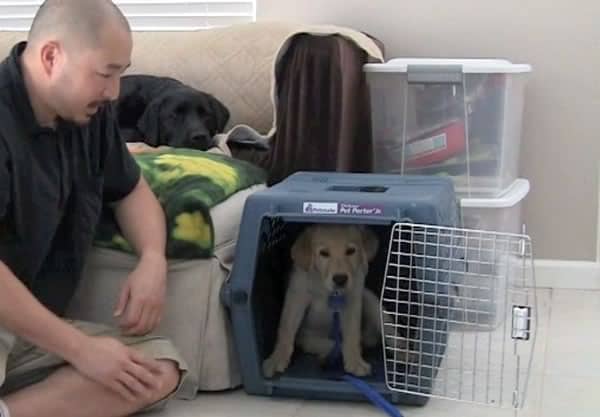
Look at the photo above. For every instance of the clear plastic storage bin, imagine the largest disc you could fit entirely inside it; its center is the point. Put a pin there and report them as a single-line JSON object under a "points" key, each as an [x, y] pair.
{"points": [[497, 214], [460, 118], [482, 294]]}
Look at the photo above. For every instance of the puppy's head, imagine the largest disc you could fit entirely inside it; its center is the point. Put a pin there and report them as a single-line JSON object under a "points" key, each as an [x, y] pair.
{"points": [[340, 254], [186, 118]]}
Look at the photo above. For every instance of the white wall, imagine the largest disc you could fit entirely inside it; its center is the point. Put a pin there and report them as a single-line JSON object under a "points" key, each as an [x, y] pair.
{"points": [[561, 139]]}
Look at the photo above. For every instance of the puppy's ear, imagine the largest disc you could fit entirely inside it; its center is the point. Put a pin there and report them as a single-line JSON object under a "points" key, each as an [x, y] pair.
{"points": [[301, 251], [370, 242]]}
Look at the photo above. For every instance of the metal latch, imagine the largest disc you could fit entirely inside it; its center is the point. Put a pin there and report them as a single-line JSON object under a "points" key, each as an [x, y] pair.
{"points": [[521, 322]]}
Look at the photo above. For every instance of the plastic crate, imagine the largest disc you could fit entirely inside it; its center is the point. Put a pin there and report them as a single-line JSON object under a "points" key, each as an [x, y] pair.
{"points": [[460, 118]]}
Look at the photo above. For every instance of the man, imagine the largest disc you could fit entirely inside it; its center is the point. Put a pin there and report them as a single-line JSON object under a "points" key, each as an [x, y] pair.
{"points": [[60, 158]]}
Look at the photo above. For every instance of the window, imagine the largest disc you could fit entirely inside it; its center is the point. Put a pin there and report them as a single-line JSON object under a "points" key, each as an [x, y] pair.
{"points": [[149, 14]]}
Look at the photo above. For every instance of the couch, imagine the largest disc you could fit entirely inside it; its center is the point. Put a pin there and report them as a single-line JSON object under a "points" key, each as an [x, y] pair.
{"points": [[298, 100]]}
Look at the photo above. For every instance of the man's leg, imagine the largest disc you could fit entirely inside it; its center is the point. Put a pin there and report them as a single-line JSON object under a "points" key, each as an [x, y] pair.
{"points": [[67, 393], [31, 390], [7, 342]]}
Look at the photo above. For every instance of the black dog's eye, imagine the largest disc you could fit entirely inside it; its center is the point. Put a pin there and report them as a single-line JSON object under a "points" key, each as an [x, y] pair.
{"points": [[180, 109], [324, 253], [350, 251]]}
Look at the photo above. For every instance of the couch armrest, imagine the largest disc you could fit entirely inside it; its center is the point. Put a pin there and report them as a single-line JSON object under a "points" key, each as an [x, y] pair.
{"points": [[323, 111]]}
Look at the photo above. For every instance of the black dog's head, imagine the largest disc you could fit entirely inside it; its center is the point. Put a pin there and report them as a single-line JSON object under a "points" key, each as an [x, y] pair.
{"points": [[183, 117]]}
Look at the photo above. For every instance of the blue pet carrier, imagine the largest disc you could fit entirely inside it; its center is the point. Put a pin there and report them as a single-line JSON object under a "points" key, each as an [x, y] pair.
{"points": [[439, 282], [271, 221]]}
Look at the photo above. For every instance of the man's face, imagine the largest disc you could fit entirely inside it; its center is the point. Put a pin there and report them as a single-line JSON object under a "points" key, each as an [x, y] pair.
{"points": [[88, 78]]}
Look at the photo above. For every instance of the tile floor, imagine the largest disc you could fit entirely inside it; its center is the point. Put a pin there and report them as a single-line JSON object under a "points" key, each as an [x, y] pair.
{"points": [[565, 380]]}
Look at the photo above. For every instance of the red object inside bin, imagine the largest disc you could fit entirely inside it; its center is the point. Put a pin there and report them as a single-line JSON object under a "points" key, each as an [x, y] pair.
{"points": [[437, 145]]}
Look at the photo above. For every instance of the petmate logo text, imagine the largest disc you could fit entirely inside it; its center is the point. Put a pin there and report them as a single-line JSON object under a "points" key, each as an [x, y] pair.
{"points": [[320, 208], [360, 210]]}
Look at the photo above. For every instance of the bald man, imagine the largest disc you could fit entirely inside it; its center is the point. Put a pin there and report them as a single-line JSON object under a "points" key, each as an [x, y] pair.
{"points": [[61, 160]]}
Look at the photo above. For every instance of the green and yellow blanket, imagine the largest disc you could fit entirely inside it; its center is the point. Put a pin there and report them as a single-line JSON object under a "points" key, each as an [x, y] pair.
{"points": [[188, 183]]}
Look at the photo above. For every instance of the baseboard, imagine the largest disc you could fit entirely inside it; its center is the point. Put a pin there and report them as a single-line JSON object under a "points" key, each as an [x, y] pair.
{"points": [[578, 275]]}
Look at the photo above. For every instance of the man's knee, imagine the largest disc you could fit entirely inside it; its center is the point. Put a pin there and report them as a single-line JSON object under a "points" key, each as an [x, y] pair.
{"points": [[168, 380]]}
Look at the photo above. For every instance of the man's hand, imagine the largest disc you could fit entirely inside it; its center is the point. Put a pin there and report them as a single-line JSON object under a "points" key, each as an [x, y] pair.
{"points": [[117, 367], [141, 302]]}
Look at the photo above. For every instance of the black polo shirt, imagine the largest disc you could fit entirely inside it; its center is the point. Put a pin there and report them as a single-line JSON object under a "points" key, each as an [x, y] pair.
{"points": [[53, 183]]}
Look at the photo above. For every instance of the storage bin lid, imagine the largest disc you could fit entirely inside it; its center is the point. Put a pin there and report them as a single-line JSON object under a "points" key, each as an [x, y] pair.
{"points": [[509, 198], [478, 66]]}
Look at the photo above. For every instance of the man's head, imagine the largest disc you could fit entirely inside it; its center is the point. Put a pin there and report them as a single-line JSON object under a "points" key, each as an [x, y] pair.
{"points": [[75, 55]]}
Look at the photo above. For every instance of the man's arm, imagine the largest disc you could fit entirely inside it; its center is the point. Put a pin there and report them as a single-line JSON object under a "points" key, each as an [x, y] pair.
{"points": [[23, 315], [142, 222]]}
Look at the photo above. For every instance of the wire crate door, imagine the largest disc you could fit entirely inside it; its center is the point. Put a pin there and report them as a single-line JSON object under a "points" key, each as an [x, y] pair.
{"points": [[459, 313]]}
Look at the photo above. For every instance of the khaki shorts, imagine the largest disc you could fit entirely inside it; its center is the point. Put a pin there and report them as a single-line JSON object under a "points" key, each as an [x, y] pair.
{"points": [[23, 364]]}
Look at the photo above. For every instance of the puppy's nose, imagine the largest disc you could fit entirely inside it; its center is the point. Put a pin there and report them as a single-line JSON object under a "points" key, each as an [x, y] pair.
{"points": [[340, 279]]}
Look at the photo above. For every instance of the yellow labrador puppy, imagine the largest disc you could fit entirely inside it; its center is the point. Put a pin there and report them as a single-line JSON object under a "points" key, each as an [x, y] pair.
{"points": [[329, 258]]}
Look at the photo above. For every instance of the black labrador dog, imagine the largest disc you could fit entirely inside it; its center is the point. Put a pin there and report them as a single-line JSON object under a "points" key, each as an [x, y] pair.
{"points": [[164, 111]]}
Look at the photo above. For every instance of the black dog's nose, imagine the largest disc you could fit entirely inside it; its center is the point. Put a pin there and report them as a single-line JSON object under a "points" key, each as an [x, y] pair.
{"points": [[201, 140], [340, 279], [198, 138]]}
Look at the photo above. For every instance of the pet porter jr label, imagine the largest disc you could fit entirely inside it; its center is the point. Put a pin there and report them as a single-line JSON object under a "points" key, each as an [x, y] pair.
{"points": [[310, 207]]}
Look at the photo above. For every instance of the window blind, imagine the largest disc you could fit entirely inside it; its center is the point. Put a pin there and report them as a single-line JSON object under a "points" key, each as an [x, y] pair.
{"points": [[148, 15]]}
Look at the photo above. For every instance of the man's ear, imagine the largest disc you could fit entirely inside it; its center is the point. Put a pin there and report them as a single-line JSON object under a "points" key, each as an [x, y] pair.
{"points": [[51, 54], [301, 252], [370, 242]]}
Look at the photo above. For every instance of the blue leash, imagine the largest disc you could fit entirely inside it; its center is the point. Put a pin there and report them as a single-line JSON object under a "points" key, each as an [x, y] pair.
{"points": [[335, 360]]}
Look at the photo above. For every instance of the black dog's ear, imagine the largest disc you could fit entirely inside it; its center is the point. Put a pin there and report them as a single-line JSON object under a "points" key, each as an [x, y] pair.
{"points": [[220, 113], [129, 109], [149, 123], [130, 104]]}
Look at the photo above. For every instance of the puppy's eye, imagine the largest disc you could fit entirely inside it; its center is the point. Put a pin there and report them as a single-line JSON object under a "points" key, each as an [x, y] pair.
{"points": [[324, 253], [350, 251]]}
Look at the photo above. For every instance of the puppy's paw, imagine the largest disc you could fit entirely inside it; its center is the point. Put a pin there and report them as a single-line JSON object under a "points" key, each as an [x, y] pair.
{"points": [[356, 365], [276, 363]]}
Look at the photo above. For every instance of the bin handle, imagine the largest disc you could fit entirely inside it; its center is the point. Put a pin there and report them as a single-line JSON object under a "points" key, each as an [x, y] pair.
{"points": [[434, 74]]}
